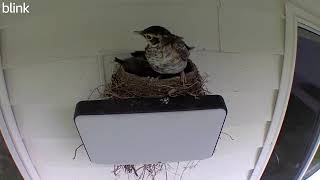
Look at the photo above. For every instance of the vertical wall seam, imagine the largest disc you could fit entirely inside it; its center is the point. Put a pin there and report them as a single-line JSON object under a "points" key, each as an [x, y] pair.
{"points": [[219, 5], [101, 69]]}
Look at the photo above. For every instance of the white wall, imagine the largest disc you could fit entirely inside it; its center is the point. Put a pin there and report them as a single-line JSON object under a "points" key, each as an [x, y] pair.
{"points": [[50, 63], [311, 6]]}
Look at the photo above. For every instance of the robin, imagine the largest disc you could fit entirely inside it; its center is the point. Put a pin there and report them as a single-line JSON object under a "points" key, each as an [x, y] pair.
{"points": [[137, 64], [166, 53]]}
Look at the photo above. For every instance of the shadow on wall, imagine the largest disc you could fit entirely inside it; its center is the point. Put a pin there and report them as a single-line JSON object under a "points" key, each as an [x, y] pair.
{"points": [[8, 169]]}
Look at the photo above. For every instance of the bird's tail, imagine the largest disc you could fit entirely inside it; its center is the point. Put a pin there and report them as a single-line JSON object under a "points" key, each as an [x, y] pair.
{"points": [[120, 61], [190, 47]]}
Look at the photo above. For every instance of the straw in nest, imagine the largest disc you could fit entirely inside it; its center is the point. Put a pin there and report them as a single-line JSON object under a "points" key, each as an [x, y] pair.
{"points": [[126, 85]]}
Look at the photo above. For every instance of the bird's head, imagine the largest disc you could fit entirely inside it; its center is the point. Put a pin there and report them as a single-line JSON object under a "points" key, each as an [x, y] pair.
{"points": [[155, 35]]}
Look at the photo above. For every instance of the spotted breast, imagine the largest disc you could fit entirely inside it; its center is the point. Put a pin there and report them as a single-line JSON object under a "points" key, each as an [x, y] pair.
{"points": [[168, 59]]}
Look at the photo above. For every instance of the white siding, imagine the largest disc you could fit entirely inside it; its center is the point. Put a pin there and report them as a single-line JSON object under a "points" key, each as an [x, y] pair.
{"points": [[243, 32], [58, 82], [50, 63], [311, 6]]}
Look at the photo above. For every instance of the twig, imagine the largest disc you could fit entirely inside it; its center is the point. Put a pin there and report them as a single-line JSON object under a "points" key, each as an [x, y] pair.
{"points": [[197, 163], [114, 170], [162, 85], [135, 171], [115, 95], [184, 169], [176, 171], [76, 150], [96, 89], [277, 157], [165, 166], [228, 135]]}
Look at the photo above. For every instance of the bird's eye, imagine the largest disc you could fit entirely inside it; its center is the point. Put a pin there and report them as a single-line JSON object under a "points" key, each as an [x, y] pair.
{"points": [[148, 37]]}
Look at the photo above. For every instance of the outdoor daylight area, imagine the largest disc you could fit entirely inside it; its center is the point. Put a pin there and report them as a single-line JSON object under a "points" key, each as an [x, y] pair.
{"points": [[159, 90]]}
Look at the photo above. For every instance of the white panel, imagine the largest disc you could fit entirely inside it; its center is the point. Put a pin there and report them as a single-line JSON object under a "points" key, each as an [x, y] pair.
{"points": [[239, 72], [84, 34], [269, 5], [6, 20], [251, 30], [250, 135], [311, 6], [249, 107], [179, 136], [57, 152], [63, 82], [45, 121]]}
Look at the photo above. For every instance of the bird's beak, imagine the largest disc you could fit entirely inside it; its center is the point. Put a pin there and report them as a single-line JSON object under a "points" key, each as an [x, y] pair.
{"points": [[138, 32]]}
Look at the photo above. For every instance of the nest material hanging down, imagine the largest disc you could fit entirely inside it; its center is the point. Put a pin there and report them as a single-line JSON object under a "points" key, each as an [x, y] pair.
{"points": [[126, 85]]}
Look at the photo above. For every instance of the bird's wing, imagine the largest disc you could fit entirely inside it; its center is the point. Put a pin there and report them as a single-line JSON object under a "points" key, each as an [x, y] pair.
{"points": [[141, 54], [181, 49], [179, 38]]}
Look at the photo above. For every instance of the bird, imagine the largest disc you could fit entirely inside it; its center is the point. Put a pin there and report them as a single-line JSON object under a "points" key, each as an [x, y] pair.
{"points": [[166, 53], [140, 54], [137, 64]]}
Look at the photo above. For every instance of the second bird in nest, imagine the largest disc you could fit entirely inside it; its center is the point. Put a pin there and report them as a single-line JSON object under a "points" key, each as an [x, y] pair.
{"points": [[166, 53]]}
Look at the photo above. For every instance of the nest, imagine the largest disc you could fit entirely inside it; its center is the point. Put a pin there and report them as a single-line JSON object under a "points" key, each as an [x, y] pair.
{"points": [[127, 85]]}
